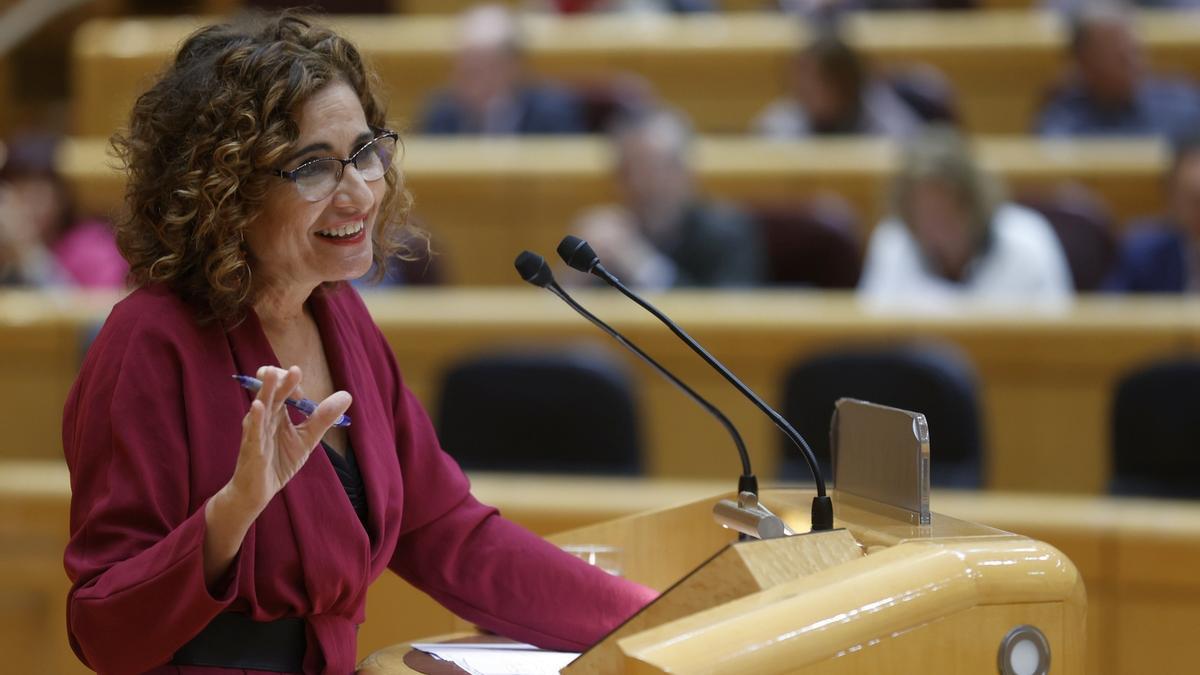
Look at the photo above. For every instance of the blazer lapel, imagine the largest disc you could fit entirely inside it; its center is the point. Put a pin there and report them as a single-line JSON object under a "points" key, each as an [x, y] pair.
{"points": [[370, 429]]}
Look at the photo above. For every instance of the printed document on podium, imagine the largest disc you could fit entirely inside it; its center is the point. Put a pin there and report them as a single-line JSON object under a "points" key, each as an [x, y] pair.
{"points": [[498, 658]]}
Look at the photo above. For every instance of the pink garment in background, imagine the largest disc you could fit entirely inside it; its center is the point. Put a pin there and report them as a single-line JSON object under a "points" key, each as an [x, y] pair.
{"points": [[88, 255]]}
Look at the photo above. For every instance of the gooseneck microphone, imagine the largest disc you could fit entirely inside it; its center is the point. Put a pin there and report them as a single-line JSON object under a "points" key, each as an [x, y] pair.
{"points": [[533, 268], [578, 254]]}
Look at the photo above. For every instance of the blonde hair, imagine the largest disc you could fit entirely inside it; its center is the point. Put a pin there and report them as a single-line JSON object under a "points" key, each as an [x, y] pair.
{"points": [[941, 154]]}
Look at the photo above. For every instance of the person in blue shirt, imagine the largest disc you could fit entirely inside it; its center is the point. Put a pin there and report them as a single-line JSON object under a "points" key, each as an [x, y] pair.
{"points": [[490, 91], [1111, 92], [1162, 255]]}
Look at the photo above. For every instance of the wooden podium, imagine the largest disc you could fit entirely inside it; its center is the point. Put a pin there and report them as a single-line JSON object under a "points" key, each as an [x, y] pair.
{"points": [[889, 591]]}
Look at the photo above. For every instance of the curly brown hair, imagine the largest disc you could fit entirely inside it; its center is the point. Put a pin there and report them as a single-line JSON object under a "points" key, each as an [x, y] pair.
{"points": [[198, 142]]}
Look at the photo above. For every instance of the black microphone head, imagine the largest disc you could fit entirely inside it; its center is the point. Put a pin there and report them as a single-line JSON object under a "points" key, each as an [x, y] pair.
{"points": [[578, 254], [533, 268]]}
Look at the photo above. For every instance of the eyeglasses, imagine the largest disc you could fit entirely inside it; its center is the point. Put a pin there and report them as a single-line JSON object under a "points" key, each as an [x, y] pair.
{"points": [[316, 179]]}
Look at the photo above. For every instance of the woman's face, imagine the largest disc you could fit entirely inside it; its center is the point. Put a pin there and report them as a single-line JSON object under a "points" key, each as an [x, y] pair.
{"points": [[300, 244], [941, 226], [820, 97]]}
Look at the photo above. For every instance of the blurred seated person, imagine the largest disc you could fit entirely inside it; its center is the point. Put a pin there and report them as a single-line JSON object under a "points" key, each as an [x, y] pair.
{"points": [[953, 236], [490, 91], [1076, 5], [1110, 91], [598, 6], [421, 267], [42, 242], [419, 260], [833, 92], [1162, 255], [664, 234]]}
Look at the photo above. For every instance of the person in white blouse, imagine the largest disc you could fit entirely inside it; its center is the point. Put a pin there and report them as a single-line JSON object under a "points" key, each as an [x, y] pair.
{"points": [[952, 238]]}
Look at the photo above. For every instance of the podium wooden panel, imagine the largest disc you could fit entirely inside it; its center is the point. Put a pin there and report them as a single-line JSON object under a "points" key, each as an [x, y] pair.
{"points": [[735, 572], [525, 193], [880, 596]]}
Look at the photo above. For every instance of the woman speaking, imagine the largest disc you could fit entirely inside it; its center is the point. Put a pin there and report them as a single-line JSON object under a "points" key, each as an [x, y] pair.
{"points": [[218, 524]]}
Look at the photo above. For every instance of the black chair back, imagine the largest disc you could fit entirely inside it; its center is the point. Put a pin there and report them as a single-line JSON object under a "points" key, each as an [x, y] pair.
{"points": [[558, 411], [1156, 430], [934, 380], [1085, 229], [813, 242]]}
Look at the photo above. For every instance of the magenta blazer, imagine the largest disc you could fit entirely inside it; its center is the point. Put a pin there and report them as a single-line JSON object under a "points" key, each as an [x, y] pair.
{"points": [[152, 429]]}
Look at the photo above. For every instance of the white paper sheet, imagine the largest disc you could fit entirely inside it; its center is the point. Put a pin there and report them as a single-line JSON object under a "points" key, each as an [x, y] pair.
{"points": [[498, 658]]}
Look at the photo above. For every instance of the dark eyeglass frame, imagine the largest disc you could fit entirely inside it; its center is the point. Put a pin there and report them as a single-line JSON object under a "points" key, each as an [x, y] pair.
{"points": [[352, 159]]}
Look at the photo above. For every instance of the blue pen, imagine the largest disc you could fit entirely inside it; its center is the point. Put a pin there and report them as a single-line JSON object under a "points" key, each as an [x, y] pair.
{"points": [[303, 405]]}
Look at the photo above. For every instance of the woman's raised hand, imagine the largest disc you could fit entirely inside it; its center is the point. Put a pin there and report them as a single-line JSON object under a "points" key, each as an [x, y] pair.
{"points": [[273, 449]]}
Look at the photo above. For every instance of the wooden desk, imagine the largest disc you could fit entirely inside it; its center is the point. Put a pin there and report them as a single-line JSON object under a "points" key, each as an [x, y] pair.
{"points": [[1136, 556], [40, 351], [34, 512], [486, 200], [1046, 380], [722, 69]]}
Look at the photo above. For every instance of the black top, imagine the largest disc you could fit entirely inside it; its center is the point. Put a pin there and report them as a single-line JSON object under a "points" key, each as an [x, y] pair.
{"points": [[347, 471]]}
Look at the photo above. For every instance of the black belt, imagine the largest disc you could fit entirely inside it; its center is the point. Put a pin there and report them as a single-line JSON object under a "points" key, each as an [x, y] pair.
{"points": [[236, 641]]}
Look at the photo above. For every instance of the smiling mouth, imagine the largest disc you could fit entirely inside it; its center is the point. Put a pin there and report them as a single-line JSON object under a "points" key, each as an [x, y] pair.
{"points": [[347, 231]]}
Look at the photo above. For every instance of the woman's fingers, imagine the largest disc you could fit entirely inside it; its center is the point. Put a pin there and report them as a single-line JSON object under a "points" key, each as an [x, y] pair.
{"points": [[255, 451], [326, 414], [270, 382], [289, 384], [278, 385], [252, 424], [269, 455]]}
